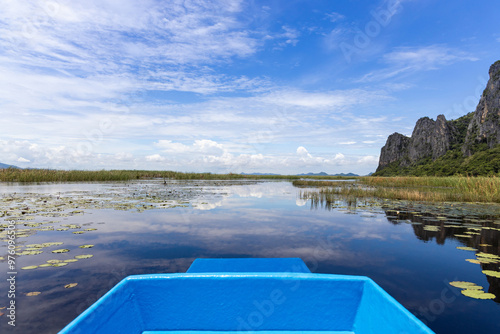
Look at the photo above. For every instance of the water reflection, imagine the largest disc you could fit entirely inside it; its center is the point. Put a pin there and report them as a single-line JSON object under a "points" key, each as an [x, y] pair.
{"points": [[475, 226], [146, 227]]}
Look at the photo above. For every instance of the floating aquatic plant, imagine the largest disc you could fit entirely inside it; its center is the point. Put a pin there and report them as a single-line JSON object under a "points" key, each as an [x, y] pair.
{"points": [[467, 249], [477, 294], [86, 246], [29, 267], [462, 284], [85, 256], [34, 293], [71, 285], [492, 273], [60, 264], [60, 251]]}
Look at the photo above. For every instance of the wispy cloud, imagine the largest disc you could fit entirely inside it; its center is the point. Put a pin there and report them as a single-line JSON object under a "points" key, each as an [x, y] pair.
{"points": [[407, 60]]}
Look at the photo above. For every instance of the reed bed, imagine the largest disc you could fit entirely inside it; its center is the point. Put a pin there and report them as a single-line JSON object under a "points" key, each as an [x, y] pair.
{"points": [[51, 175], [429, 189]]}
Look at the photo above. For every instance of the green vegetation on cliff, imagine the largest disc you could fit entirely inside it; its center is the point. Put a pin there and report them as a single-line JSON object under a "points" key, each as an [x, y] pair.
{"points": [[483, 162]]}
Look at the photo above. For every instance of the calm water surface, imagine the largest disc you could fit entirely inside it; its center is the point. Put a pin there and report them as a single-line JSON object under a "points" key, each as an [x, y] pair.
{"points": [[147, 227]]}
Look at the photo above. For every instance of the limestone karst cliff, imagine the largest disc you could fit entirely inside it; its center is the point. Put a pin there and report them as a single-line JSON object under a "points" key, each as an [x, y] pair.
{"points": [[467, 145]]}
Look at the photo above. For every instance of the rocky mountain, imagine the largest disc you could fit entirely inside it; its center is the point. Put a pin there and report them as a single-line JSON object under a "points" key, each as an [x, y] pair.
{"points": [[467, 145]]}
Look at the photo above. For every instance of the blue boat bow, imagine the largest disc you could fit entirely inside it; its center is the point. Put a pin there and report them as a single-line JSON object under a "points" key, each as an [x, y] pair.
{"points": [[225, 296]]}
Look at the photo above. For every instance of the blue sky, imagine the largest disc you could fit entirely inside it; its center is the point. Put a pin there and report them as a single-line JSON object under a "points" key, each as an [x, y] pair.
{"points": [[282, 86]]}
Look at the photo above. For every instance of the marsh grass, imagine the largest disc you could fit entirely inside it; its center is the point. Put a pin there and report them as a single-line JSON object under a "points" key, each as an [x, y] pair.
{"points": [[431, 189], [51, 175]]}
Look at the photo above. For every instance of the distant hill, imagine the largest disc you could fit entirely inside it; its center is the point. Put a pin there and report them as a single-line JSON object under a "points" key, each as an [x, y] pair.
{"points": [[325, 174], [3, 166], [259, 174], [468, 145], [304, 174]]}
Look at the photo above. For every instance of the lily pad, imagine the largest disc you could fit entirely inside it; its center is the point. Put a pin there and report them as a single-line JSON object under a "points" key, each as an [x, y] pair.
{"points": [[53, 261], [60, 264], [34, 293], [462, 284], [64, 250], [492, 273], [490, 256], [49, 244], [86, 246], [70, 260], [467, 249], [85, 256], [29, 267], [473, 261], [33, 252], [478, 294], [71, 285]]}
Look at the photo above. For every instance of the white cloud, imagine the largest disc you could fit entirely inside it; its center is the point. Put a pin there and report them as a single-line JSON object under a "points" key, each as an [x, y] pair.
{"points": [[155, 158], [407, 60], [21, 159], [334, 100], [334, 17]]}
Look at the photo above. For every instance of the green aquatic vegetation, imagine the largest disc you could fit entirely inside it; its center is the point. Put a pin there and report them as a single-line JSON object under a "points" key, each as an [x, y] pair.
{"points": [[78, 232], [49, 175], [71, 285], [85, 256], [434, 189], [86, 246]]}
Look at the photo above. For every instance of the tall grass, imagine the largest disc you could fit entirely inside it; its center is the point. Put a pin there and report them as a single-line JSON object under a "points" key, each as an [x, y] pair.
{"points": [[50, 175], [432, 189]]}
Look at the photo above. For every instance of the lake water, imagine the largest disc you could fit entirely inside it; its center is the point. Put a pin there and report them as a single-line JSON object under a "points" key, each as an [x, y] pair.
{"points": [[147, 227]]}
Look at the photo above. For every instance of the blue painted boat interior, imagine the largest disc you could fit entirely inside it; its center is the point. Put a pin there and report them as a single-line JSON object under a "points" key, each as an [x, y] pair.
{"points": [[211, 298], [295, 265]]}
